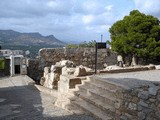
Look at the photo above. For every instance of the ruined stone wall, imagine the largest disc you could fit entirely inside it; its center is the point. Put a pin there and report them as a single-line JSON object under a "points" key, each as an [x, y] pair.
{"points": [[80, 56], [142, 103], [34, 69]]}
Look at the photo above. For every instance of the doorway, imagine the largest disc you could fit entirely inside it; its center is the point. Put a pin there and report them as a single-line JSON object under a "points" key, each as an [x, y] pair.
{"points": [[17, 69]]}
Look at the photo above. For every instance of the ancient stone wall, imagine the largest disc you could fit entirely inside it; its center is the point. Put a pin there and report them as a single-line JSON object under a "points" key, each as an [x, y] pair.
{"points": [[142, 103], [80, 56], [34, 69]]}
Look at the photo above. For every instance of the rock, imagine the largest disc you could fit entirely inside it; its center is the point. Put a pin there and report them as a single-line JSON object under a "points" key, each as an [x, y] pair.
{"points": [[67, 63], [142, 115], [46, 71], [141, 103], [143, 95], [157, 67], [56, 69], [80, 71], [68, 71], [123, 118], [132, 106], [42, 81], [113, 67], [153, 89], [87, 68]]}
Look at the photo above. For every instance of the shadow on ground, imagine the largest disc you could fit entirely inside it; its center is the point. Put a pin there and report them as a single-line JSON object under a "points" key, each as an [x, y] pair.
{"points": [[27, 103]]}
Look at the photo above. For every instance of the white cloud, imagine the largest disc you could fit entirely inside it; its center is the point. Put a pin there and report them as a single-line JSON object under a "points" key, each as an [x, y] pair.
{"points": [[149, 6], [87, 19], [109, 7]]}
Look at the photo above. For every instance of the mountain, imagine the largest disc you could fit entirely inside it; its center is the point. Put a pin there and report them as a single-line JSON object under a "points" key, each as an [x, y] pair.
{"points": [[10, 37]]}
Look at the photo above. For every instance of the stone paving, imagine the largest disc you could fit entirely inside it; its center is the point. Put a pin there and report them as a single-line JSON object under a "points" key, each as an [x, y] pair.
{"points": [[20, 101]]}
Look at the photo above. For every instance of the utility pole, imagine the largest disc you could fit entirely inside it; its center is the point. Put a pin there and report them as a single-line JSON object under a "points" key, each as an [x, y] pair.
{"points": [[101, 37]]}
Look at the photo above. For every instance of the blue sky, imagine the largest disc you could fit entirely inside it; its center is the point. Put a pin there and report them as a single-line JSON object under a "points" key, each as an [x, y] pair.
{"points": [[70, 20]]}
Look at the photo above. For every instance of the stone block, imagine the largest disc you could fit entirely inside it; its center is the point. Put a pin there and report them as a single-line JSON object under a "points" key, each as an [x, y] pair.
{"points": [[56, 69], [143, 95], [153, 89], [80, 71]]}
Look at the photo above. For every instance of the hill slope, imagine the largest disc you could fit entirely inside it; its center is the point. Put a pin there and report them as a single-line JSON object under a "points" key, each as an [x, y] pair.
{"points": [[10, 37]]}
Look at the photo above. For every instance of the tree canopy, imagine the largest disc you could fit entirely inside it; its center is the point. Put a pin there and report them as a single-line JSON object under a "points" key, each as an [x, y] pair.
{"points": [[136, 35]]}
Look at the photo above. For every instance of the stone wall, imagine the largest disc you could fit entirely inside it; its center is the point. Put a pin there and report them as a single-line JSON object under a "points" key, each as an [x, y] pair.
{"points": [[142, 103], [34, 69], [80, 56]]}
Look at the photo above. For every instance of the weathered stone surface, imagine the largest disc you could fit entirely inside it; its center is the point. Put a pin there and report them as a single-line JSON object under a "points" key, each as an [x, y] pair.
{"points": [[143, 95], [46, 70], [142, 115], [68, 71], [132, 106], [123, 118], [142, 103], [153, 90], [80, 71], [66, 63], [157, 67], [56, 69], [42, 81], [80, 56]]}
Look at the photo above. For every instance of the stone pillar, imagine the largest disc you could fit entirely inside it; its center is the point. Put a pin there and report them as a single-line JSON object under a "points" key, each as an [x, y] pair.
{"points": [[12, 71]]}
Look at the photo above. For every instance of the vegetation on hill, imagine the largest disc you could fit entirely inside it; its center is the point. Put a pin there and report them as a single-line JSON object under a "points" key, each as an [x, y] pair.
{"points": [[137, 36], [82, 45]]}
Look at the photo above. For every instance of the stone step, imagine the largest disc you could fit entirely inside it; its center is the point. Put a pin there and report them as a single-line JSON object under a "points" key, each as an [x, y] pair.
{"points": [[91, 109], [105, 97], [113, 93], [65, 103], [107, 108], [106, 83]]}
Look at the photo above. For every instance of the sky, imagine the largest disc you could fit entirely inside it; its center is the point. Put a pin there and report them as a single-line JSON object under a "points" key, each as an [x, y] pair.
{"points": [[70, 20]]}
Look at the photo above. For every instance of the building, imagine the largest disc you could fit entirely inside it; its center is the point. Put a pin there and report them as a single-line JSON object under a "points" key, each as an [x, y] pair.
{"points": [[12, 62]]}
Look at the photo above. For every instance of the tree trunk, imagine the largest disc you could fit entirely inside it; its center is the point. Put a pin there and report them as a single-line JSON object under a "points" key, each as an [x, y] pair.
{"points": [[134, 60]]}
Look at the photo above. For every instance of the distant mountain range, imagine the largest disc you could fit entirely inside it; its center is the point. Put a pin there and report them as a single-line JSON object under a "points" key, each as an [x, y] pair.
{"points": [[10, 37]]}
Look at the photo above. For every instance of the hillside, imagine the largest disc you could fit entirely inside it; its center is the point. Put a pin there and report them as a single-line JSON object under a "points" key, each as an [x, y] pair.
{"points": [[10, 37]]}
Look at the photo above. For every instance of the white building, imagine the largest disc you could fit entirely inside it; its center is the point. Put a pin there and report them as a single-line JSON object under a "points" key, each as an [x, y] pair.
{"points": [[15, 62]]}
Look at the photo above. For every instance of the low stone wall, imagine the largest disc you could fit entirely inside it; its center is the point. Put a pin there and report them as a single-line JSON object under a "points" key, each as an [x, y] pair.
{"points": [[142, 103], [80, 56]]}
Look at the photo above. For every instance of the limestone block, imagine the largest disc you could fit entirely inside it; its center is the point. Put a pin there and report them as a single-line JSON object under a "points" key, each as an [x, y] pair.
{"points": [[157, 67], [56, 69], [68, 71], [46, 71], [80, 71]]}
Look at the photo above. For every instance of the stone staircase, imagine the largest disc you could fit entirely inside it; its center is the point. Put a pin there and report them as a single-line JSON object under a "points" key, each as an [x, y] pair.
{"points": [[97, 97]]}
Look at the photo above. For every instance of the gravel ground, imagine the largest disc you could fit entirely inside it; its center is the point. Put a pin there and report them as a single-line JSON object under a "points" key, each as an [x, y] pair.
{"points": [[19, 101], [134, 79]]}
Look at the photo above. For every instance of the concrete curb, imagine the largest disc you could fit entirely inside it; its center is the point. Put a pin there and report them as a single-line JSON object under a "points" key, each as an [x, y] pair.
{"points": [[48, 91]]}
